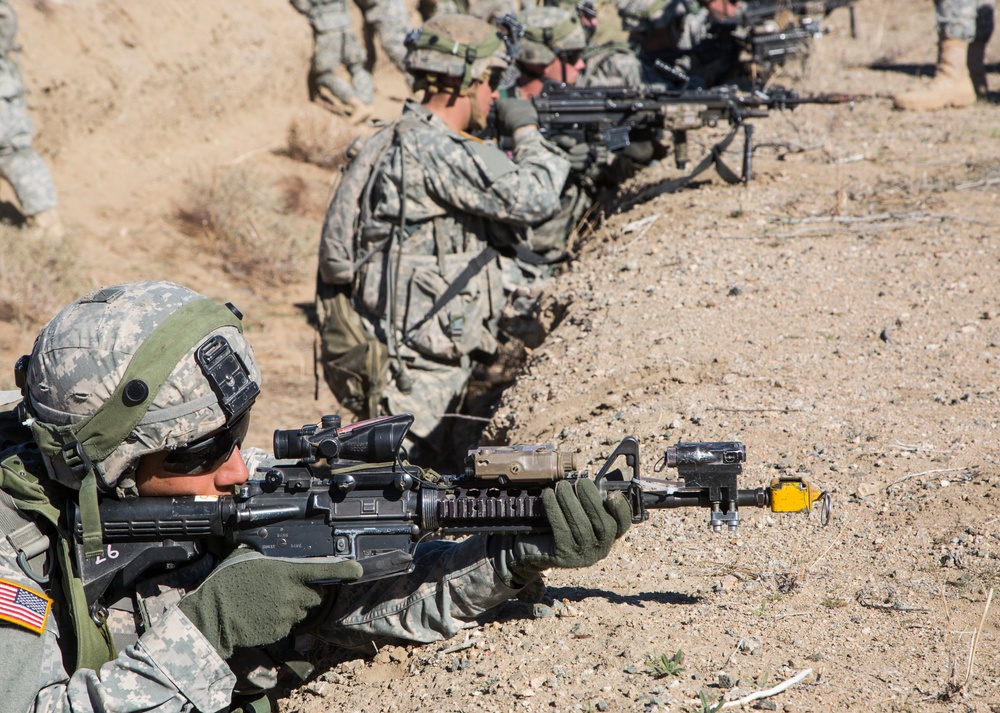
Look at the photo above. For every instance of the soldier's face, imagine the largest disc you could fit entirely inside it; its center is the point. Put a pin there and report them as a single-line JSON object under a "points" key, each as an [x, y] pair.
{"points": [[152, 479], [485, 96]]}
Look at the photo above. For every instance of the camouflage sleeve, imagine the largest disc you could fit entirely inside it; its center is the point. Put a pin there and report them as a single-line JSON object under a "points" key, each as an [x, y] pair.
{"points": [[478, 178], [451, 585], [172, 668]]}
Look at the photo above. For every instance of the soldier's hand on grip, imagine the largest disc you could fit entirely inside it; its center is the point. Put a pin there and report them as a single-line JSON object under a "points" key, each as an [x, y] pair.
{"points": [[584, 527], [253, 600], [512, 114]]}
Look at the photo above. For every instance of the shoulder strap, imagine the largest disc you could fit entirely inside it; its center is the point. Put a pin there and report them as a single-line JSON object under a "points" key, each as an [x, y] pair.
{"points": [[28, 494]]}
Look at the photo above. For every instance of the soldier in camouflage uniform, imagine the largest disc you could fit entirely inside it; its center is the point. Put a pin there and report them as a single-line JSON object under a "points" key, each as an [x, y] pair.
{"points": [[674, 32], [552, 51], [20, 164], [964, 29], [409, 287], [145, 389], [335, 45]]}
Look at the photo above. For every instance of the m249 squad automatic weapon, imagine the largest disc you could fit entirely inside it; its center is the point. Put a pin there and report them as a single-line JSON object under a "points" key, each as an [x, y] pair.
{"points": [[348, 491]]}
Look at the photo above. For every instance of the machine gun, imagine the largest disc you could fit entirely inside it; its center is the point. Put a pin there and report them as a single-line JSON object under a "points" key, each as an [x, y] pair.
{"points": [[771, 32], [616, 117], [350, 493]]}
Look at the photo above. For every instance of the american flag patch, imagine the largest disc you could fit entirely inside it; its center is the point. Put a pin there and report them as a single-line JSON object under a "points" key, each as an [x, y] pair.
{"points": [[23, 607]]}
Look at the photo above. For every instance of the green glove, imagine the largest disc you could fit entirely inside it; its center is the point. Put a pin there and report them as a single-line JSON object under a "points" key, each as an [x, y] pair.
{"points": [[253, 600], [512, 114], [583, 529]]}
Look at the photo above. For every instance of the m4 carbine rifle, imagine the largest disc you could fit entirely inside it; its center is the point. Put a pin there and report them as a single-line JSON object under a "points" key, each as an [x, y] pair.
{"points": [[351, 494]]}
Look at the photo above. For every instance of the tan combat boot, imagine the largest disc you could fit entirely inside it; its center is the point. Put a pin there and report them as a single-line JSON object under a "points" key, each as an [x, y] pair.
{"points": [[951, 85], [46, 224], [977, 68]]}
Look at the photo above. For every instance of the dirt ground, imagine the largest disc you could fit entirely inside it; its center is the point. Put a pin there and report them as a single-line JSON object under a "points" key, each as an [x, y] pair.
{"points": [[839, 315]]}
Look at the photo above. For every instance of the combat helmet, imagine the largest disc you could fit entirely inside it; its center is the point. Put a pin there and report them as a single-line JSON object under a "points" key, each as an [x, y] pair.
{"points": [[459, 46], [135, 369], [548, 33], [641, 16]]}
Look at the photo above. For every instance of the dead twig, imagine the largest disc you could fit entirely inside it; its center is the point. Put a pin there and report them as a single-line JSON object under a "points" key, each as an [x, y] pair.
{"points": [[466, 417], [767, 693], [895, 606], [734, 409], [877, 218], [467, 644], [975, 641], [925, 472], [977, 184]]}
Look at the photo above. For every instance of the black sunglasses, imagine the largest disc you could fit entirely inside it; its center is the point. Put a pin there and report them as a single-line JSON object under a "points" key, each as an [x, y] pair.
{"points": [[205, 454], [570, 57], [496, 77]]}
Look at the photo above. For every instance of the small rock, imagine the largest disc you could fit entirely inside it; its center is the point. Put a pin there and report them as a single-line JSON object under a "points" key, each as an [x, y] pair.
{"points": [[601, 705], [866, 490], [726, 681], [541, 611]]}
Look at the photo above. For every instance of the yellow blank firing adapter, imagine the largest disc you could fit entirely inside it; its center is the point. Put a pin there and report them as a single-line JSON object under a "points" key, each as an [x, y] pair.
{"points": [[791, 493]]}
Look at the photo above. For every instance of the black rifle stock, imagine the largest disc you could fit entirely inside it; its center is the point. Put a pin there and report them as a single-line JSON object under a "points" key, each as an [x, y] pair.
{"points": [[351, 495]]}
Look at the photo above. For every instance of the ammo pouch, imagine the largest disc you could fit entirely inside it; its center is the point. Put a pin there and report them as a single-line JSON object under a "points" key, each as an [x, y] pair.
{"points": [[355, 362], [440, 316]]}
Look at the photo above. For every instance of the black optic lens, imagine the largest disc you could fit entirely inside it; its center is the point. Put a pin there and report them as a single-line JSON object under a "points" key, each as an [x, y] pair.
{"points": [[205, 454], [496, 76], [571, 57]]}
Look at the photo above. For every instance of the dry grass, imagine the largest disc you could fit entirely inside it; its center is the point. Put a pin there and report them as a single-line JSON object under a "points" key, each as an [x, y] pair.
{"points": [[318, 141], [36, 276], [248, 223]]}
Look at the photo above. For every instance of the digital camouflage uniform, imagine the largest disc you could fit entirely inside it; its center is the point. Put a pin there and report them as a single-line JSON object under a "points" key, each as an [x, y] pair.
{"points": [[681, 26], [966, 20], [460, 196], [335, 45], [163, 662], [488, 10], [548, 30], [20, 164], [391, 21]]}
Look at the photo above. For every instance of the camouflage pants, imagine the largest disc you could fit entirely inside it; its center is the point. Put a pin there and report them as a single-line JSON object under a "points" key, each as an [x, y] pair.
{"points": [[438, 389], [20, 164], [391, 20], [27, 173], [966, 20], [338, 48]]}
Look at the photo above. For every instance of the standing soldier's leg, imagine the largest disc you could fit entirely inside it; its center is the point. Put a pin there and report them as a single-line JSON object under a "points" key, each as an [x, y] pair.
{"points": [[391, 20], [23, 168], [977, 48], [31, 181], [327, 59], [952, 85], [355, 59]]}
